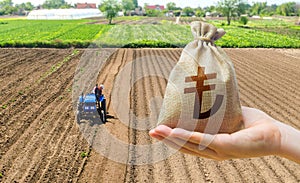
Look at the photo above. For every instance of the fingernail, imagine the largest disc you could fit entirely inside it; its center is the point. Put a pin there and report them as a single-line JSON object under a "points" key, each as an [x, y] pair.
{"points": [[152, 131], [163, 130]]}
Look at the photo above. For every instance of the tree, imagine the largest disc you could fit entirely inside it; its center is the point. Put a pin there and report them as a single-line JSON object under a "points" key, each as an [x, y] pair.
{"points": [[24, 8], [228, 8], [258, 8], [243, 8], [270, 10], [146, 5], [111, 9], [199, 12], [28, 6], [210, 9], [188, 11], [55, 4], [136, 4], [6, 7], [171, 6], [154, 13], [127, 6], [287, 9], [6, 3]]}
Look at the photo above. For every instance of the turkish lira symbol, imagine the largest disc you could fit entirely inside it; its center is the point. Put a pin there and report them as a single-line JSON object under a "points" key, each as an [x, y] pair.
{"points": [[199, 89]]}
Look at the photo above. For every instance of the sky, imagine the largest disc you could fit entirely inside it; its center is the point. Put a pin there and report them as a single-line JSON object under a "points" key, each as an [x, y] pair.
{"points": [[181, 3]]}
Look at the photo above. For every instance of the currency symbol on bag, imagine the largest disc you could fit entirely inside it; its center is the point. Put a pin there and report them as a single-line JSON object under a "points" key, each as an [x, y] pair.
{"points": [[199, 89]]}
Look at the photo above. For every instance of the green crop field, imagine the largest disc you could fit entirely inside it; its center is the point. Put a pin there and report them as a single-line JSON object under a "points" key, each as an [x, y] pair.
{"points": [[49, 33], [84, 33]]}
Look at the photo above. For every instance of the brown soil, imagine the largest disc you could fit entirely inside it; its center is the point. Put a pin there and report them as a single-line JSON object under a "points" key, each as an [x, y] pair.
{"points": [[40, 140]]}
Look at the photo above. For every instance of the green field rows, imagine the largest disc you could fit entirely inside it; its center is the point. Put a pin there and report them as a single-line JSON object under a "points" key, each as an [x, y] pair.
{"points": [[125, 34], [80, 33]]}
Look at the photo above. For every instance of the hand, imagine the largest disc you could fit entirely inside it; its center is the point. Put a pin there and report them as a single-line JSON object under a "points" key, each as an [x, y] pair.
{"points": [[262, 136]]}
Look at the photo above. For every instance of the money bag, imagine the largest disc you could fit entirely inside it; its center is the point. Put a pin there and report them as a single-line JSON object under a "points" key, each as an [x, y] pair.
{"points": [[202, 93]]}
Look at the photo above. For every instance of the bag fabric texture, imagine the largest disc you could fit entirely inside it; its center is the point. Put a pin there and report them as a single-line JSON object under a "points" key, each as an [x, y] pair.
{"points": [[202, 93]]}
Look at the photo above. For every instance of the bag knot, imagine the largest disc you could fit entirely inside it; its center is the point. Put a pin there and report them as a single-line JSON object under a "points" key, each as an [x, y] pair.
{"points": [[206, 32]]}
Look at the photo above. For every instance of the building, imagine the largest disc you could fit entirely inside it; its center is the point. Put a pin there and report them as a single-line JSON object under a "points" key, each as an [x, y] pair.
{"points": [[63, 14], [156, 7], [86, 6]]}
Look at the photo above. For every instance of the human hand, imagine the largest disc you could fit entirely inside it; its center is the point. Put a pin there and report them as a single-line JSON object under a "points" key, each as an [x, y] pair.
{"points": [[262, 136]]}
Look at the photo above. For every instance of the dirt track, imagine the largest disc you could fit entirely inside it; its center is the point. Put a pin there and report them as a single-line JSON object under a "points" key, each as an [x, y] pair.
{"points": [[40, 140]]}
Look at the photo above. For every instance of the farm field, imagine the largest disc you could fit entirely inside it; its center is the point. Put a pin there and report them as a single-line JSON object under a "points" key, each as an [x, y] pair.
{"points": [[142, 32], [40, 140]]}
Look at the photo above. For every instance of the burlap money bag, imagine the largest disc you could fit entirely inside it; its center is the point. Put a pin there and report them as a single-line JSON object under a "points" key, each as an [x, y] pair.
{"points": [[202, 93]]}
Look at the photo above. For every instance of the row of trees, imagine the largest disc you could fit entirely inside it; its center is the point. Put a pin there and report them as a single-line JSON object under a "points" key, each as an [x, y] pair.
{"points": [[227, 8], [113, 6], [241, 7], [56, 4], [236, 8], [8, 8]]}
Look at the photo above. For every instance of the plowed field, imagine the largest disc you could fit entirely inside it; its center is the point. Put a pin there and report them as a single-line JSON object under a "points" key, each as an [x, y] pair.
{"points": [[40, 140]]}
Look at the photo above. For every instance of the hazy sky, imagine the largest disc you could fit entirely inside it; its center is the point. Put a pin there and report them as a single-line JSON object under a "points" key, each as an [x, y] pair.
{"points": [[181, 3]]}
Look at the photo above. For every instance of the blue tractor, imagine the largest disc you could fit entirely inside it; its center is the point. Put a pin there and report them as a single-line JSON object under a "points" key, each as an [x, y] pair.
{"points": [[89, 107]]}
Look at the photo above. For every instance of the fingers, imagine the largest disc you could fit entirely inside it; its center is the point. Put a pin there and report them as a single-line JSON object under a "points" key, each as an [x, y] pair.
{"points": [[155, 135], [192, 147], [204, 140], [161, 130], [184, 150], [187, 142]]}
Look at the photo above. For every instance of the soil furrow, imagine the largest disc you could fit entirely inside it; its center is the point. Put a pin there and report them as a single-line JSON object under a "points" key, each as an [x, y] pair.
{"points": [[41, 155], [274, 59], [291, 167], [284, 174], [274, 84], [61, 144], [248, 99], [12, 56], [26, 141], [131, 173], [41, 142], [267, 75], [27, 96], [40, 110], [163, 167], [249, 172], [58, 158], [204, 175], [40, 102], [100, 164], [269, 105], [145, 111], [106, 77], [25, 80]]}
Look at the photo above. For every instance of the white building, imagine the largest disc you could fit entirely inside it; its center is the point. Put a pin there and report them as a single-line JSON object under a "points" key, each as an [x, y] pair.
{"points": [[63, 14]]}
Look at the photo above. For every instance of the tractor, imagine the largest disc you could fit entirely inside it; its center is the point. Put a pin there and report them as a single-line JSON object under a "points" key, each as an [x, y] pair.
{"points": [[89, 107]]}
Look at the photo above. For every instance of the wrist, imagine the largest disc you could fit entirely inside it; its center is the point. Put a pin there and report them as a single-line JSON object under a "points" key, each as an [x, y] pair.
{"points": [[289, 142]]}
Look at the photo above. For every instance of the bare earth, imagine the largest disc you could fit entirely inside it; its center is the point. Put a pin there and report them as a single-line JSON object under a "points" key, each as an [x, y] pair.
{"points": [[40, 140]]}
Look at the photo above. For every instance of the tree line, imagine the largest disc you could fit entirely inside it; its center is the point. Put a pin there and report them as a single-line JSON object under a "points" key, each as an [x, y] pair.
{"points": [[8, 8], [225, 8]]}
